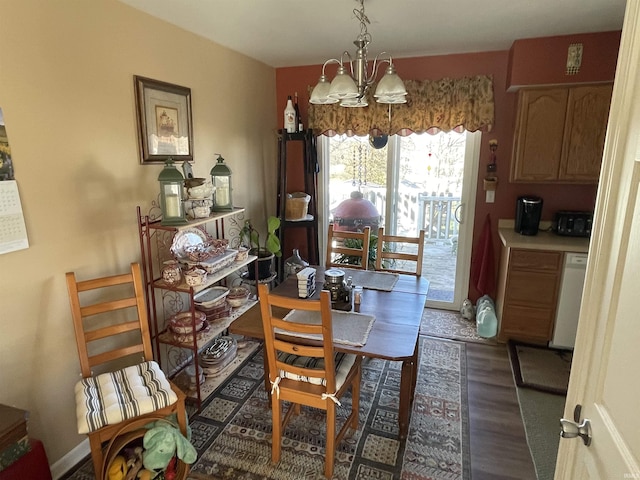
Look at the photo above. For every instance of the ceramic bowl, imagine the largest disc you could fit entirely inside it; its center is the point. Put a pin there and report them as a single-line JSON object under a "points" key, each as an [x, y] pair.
{"points": [[198, 208], [195, 277], [238, 296], [204, 190], [242, 255], [211, 297], [182, 322]]}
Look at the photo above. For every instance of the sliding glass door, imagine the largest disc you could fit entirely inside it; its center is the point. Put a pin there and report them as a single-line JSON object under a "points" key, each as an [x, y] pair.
{"points": [[416, 182]]}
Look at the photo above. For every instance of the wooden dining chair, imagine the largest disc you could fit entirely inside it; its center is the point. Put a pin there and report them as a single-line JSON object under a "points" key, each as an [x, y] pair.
{"points": [[344, 248], [395, 250], [304, 374], [111, 327]]}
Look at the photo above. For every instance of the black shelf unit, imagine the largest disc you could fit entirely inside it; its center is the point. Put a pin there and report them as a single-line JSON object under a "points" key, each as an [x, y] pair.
{"points": [[310, 171]]}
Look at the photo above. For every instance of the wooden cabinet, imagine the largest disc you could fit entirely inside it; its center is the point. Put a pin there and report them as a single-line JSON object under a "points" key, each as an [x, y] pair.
{"points": [[528, 294], [559, 135]]}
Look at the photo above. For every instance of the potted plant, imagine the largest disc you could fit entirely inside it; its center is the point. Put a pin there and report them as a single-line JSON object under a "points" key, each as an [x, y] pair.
{"points": [[266, 251]]}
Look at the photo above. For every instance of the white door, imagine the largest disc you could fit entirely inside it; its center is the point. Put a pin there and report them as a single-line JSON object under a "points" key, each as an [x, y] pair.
{"points": [[604, 376]]}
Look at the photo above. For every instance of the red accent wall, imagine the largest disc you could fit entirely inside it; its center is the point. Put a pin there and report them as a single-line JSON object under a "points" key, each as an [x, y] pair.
{"points": [[556, 197]]}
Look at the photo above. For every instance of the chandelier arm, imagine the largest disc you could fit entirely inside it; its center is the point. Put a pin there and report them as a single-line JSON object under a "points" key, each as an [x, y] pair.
{"points": [[348, 55], [376, 66], [331, 60]]}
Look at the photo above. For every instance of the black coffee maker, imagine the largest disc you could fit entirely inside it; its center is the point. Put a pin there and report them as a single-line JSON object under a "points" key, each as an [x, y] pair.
{"points": [[528, 211]]}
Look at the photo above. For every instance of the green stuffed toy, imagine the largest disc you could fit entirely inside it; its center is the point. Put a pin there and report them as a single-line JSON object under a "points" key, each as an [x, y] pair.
{"points": [[161, 443]]}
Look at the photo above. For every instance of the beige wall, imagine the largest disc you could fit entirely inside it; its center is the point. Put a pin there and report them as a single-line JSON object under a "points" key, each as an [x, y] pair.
{"points": [[66, 89]]}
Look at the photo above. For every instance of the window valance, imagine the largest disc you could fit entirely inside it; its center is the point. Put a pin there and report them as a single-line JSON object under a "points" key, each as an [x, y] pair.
{"points": [[445, 104]]}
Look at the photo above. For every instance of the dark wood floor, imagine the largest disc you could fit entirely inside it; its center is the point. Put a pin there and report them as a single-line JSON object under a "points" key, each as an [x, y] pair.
{"points": [[499, 447]]}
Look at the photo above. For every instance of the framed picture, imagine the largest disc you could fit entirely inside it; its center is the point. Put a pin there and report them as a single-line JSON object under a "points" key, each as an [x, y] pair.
{"points": [[164, 121]]}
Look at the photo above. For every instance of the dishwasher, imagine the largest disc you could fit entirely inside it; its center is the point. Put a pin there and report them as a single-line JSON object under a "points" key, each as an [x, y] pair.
{"points": [[566, 325]]}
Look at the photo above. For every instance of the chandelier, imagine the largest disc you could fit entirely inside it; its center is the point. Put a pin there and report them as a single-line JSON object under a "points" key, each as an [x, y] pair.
{"points": [[351, 88]]}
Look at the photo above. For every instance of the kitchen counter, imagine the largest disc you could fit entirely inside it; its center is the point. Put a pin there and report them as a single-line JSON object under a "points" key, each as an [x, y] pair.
{"points": [[544, 240]]}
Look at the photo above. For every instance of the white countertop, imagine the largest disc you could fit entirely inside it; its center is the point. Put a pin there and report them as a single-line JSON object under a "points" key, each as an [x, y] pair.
{"points": [[544, 240]]}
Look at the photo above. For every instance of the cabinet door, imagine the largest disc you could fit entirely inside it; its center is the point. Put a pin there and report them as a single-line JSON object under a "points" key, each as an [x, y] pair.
{"points": [[538, 136], [585, 128]]}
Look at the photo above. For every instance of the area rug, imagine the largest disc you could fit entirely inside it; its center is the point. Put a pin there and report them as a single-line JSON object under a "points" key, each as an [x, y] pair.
{"points": [[540, 368], [541, 413], [233, 433], [450, 324]]}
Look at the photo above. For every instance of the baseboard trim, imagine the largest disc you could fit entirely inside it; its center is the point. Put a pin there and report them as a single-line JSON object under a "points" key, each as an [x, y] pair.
{"points": [[70, 460]]}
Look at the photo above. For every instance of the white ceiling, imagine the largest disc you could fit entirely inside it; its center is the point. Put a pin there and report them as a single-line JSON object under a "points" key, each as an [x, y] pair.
{"points": [[285, 33]]}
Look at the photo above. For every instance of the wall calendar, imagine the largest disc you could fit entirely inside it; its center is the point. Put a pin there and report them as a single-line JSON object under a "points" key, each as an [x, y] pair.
{"points": [[13, 233]]}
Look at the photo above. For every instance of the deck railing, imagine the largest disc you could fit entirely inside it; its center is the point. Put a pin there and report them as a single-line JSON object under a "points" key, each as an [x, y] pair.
{"points": [[436, 214]]}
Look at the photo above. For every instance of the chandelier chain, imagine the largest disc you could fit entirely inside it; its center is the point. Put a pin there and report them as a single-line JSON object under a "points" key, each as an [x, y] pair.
{"points": [[364, 21]]}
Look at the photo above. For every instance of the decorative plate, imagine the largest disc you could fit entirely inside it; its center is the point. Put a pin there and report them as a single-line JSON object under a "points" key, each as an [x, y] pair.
{"points": [[185, 241]]}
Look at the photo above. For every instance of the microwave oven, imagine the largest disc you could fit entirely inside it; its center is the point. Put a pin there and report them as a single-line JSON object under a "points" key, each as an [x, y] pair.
{"points": [[573, 224]]}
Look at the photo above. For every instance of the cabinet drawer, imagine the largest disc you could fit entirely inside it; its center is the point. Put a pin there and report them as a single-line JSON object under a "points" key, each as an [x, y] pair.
{"points": [[535, 260], [530, 288], [527, 323]]}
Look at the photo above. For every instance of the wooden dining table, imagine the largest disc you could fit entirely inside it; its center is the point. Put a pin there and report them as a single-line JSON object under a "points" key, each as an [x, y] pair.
{"points": [[393, 336]]}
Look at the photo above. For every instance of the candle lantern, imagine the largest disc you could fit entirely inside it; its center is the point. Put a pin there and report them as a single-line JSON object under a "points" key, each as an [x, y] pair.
{"points": [[171, 195], [221, 179]]}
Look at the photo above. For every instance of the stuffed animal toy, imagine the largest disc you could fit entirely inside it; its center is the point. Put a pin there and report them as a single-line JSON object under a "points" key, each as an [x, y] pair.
{"points": [[161, 443], [467, 310], [118, 468]]}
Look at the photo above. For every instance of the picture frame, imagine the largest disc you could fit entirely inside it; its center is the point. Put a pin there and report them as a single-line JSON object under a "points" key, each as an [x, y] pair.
{"points": [[165, 128]]}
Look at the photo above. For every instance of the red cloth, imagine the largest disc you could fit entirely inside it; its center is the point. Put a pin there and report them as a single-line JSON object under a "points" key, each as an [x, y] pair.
{"points": [[32, 465], [483, 273]]}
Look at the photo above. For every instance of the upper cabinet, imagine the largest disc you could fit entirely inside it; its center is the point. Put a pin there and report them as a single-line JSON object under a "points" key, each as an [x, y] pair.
{"points": [[559, 135]]}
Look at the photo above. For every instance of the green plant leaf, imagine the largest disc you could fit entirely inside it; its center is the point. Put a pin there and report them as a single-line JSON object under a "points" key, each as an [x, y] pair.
{"points": [[254, 238], [273, 245], [273, 223]]}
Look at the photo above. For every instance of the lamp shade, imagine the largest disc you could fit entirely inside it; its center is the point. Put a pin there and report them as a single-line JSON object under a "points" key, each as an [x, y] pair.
{"points": [[355, 102], [343, 86], [390, 85], [320, 93]]}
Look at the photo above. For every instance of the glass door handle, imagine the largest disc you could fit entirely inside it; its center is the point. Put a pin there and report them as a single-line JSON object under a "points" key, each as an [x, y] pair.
{"points": [[456, 213]]}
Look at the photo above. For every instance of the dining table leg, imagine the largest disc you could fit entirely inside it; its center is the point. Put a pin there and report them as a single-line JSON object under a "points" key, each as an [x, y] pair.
{"points": [[407, 388]]}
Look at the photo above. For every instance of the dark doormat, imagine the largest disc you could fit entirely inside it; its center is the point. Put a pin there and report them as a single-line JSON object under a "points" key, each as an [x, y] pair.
{"points": [[540, 368]]}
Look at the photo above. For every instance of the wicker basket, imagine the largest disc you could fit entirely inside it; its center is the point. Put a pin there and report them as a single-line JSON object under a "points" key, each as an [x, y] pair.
{"points": [[132, 433], [297, 205]]}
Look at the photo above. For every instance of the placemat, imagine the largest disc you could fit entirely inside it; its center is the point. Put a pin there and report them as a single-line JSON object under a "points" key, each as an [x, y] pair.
{"points": [[372, 280], [349, 328]]}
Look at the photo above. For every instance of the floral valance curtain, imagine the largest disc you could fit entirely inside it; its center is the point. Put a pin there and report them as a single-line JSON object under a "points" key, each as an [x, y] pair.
{"points": [[444, 104]]}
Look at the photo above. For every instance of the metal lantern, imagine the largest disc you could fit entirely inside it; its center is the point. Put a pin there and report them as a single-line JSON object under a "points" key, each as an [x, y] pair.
{"points": [[221, 179], [171, 195]]}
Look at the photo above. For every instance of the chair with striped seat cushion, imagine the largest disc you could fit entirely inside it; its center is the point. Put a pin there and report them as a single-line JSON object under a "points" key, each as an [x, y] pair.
{"points": [[111, 327], [307, 374]]}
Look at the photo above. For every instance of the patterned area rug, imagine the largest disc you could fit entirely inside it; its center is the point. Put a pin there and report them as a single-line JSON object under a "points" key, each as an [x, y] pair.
{"points": [[449, 324], [232, 434]]}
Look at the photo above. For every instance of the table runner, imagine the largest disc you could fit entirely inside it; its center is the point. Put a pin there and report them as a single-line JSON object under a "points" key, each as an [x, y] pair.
{"points": [[372, 280], [349, 328]]}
